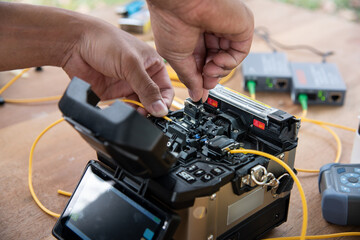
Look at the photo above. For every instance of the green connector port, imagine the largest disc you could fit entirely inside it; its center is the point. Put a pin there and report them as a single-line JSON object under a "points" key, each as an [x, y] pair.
{"points": [[303, 99], [251, 85]]}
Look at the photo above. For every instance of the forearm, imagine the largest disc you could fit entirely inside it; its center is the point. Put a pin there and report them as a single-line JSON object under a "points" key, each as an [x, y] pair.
{"points": [[36, 36]]}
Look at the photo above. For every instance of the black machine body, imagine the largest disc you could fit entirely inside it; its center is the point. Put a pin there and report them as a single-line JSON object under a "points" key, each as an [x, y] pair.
{"points": [[184, 165]]}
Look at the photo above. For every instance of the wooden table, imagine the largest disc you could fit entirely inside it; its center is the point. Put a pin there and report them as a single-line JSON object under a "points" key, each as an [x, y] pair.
{"points": [[61, 154]]}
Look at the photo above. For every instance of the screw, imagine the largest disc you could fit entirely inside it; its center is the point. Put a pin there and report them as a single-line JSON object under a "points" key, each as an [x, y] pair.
{"points": [[213, 197], [210, 237]]}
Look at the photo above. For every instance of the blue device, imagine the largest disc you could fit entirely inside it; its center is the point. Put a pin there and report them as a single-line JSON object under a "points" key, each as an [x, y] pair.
{"points": [[131, 8], [134, 7], [339, 185]]}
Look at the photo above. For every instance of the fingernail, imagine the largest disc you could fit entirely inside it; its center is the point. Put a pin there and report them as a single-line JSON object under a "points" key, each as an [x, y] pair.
{"points": [[159, 108]]}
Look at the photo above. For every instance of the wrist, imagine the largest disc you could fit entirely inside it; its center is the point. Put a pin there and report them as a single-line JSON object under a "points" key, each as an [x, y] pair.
{"points": [[68, 29]]}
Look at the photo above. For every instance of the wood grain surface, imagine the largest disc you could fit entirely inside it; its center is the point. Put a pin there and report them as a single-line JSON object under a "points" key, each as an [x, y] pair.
{"points": [[61, 154]]}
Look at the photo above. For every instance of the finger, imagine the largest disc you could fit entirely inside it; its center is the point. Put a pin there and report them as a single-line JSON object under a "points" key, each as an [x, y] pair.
{"points": [[189, 75], [189, 69], [234, 54], [135, 97], [224, 43], [168, 96], [211, 41], [213, 70], [199, 52], [225, 60], [113, 88], [205, 95], [210, 82], [142, 111], [159, 75], [146, 89]]}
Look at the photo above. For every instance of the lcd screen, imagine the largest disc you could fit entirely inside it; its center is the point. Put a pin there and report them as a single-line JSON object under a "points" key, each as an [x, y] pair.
{"points": [[100, 211]]}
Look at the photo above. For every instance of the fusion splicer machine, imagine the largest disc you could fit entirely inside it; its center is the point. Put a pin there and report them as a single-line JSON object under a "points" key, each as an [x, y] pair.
{"points": [[161, 179]]}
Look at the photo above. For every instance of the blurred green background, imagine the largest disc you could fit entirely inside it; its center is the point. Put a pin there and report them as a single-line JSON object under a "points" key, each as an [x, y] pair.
{"points": [[349, 9], [73, 4]]}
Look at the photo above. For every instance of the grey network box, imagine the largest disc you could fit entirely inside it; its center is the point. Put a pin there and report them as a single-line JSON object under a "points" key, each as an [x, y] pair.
{"points": [[270, 71], [321, 82]]}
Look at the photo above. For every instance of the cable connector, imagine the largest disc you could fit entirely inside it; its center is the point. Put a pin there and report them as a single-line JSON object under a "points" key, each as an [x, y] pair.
{"points": [[303, 99], [251, 85]]}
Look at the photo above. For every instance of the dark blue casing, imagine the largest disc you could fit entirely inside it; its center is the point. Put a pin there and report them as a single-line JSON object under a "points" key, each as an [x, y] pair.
{"points": [[339, 185]]}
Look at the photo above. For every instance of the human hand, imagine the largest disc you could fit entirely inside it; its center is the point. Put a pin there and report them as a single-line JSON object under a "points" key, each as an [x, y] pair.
{"points": [[202, 40], [117, 64]]}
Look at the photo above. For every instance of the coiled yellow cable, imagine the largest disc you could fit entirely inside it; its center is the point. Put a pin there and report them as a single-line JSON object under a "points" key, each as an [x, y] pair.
{"points": [[338, 151], [344, 234], [6, 86], [33, 100], [31, 188], [175, 81], [295, 178]]}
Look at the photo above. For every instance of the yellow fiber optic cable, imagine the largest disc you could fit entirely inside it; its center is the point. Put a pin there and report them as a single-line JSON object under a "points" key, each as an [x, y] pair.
{"points": [[304, 113], [328, 124], [33, 100], [26, 100], [338, 151], [140, 105], [338, 154], [65, 193], [175, 81], [303, 99], [31, 188], [333, 235], [132, 101], [336, 137], [295, 178], [13, 80], [287, 168], [171, 72], [177, 103], [179, 100]]}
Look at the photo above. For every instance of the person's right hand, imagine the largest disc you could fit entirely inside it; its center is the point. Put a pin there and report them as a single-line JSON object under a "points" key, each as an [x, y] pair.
{"points": [[203, 40], [117, 64]]}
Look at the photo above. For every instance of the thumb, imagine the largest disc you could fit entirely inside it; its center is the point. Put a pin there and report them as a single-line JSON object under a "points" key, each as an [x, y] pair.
{"points": [[147, 90]]}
